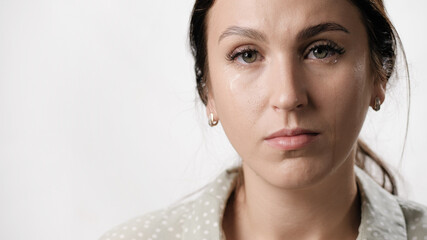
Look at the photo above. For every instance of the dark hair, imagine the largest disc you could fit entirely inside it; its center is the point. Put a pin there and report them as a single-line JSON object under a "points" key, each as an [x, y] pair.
{"points": [[382, 38]]}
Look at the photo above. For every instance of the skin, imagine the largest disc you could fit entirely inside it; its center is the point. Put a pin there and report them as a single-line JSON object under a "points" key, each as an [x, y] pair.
{"points": [[288, 86]]}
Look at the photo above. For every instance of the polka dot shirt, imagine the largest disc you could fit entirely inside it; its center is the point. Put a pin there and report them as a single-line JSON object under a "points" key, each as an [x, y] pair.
{"points": [[384, 216]]}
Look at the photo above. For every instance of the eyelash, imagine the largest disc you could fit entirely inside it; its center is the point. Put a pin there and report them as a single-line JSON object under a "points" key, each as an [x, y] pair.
{"points": [[328, 45], [233, 55]]}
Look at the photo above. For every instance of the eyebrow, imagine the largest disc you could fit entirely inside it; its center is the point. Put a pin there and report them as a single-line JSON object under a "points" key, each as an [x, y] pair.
{"points": [[244, 32], [320, 28], [304, 34]]}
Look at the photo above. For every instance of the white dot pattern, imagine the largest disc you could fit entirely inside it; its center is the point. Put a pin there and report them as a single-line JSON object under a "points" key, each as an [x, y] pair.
{"points": [[383, 216]]}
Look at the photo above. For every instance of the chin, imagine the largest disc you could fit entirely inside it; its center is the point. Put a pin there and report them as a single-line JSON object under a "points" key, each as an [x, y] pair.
{"points": [[298, 169], [295, 173], [302, 173]]}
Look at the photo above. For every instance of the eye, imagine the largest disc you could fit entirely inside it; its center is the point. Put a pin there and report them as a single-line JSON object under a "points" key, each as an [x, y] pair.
{"points": [[244, 56], [249, 56], [324, 50], [321, 52]]}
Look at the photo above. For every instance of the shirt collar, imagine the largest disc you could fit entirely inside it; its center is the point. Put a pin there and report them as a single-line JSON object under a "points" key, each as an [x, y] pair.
{"points": [[214, 196], [382, 217]]}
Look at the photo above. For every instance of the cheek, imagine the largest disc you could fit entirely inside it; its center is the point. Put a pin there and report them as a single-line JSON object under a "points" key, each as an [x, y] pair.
{"points": [[345, 101], [240, 98], [238, 94], [355, 91]]}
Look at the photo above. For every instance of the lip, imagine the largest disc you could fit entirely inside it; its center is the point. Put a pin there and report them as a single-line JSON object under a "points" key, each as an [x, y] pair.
{"points": [[291, 139]]}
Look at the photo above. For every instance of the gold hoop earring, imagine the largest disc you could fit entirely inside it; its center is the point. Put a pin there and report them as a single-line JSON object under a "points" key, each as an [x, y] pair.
{"points": [[211, 120], [377, 105]]}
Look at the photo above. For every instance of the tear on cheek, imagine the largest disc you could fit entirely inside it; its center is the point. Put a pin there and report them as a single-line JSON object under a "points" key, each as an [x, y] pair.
{"points": [[233, 80], [244, 80]]}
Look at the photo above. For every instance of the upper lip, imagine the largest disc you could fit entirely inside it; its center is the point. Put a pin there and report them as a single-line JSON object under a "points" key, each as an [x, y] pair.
{"points": [[285, 132]]}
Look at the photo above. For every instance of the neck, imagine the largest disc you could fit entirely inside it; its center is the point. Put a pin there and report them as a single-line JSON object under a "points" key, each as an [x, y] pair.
{"points": [[328, 210]]}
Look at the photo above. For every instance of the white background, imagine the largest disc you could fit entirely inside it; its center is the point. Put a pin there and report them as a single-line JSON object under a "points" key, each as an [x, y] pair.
{"points": [[99, 120]]}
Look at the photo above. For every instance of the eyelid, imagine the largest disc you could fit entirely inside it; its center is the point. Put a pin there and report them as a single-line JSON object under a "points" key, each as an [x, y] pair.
{"points": [[240, 50], [237, 52], [321, 43]]}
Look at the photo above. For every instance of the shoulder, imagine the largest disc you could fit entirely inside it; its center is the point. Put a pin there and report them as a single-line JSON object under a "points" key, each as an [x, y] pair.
{"points": [[199, 218], [415, 217], [160, 224], [385, 216]]}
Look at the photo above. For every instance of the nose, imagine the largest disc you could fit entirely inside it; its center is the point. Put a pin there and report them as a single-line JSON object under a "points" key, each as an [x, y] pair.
{"points": [[288, 91]]}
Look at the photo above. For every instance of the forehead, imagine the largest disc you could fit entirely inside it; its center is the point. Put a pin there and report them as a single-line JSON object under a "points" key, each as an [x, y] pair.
{"points": [[281, 18]]}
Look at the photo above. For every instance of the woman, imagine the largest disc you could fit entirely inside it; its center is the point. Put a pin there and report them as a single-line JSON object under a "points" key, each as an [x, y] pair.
{"points": [[291, 82]]}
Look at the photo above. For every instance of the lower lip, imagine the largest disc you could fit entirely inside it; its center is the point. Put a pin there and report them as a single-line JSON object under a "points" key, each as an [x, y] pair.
{"points": [[292, 142]]}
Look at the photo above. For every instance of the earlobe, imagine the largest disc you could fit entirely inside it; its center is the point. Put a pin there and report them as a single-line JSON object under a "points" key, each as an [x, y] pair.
{"points": [[378, 96], [211, 111], [377, 104], [210, 104]]}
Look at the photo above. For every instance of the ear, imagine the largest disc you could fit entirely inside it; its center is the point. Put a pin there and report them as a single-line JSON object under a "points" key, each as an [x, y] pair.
{"points": [[379, 91], [210, 105]]}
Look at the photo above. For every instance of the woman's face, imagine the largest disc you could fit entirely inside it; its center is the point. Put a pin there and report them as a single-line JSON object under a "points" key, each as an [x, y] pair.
{"points": [[291, 83]]}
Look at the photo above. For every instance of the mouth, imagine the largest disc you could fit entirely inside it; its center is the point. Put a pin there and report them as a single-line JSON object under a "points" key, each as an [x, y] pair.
{"points": [[291, 139]]}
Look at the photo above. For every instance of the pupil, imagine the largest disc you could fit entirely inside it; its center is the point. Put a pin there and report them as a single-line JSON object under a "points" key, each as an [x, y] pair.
{"points": [[320, 53], [249, 57]]}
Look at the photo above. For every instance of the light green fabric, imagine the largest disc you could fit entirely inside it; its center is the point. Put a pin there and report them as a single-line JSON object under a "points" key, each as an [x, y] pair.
{"points": [[384, 216]]}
